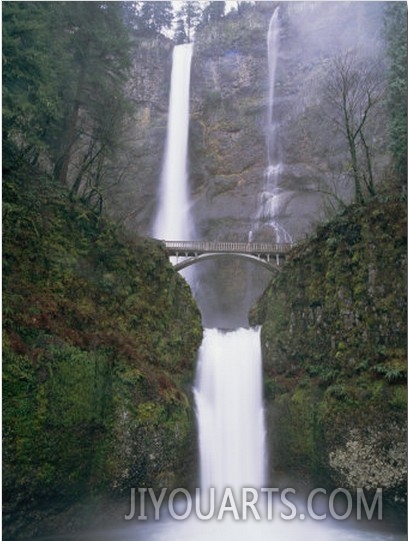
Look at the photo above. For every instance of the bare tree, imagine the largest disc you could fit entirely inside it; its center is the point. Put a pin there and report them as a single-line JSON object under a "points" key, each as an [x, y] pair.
{"points": [[354, 90]]}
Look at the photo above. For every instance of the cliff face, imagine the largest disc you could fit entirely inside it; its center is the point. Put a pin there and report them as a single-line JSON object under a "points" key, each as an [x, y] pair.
{"points": [[100, 340], [229, 96], [133, 197], [227, 150], [229, 111], [334, 346]]}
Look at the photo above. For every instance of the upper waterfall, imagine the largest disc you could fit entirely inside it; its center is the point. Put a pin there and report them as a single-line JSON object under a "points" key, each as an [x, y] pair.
{"points": [[272, 197], [272, 46], [172, 219]]}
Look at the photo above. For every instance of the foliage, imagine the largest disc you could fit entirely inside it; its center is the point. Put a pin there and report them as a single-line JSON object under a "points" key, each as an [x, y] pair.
{"points": [[97, 329], [180, 35], [64, 73], [219, 34], [155, 16], [189, 16], [243, 6], [214, 11], [396, 35], [55, 415], [31, 72], [97, 104], [334, 340]]}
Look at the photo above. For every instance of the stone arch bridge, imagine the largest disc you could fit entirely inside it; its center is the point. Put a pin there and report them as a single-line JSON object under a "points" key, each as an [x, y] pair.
{"points": [[271, 256]]}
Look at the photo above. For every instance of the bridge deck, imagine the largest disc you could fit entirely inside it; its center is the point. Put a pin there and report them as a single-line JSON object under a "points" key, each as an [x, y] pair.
{"points": [[192, 248]]}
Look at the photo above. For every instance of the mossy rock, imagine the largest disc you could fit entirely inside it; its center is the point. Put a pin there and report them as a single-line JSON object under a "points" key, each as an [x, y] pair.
{"points": [[333, 336]]}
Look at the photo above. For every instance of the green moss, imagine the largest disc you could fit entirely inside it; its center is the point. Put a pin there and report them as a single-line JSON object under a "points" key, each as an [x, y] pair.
{"points": [[334, 337], [398, 398], [100, 338], [298, 432]]}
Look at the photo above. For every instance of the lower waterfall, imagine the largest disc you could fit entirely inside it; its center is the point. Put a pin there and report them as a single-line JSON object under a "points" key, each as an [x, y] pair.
{"points": [[230, 418], [228, 397]]}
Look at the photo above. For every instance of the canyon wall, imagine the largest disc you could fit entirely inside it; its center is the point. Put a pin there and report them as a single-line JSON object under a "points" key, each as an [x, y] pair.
{"points": [[334, 352], [228, 112], [228, 131]]}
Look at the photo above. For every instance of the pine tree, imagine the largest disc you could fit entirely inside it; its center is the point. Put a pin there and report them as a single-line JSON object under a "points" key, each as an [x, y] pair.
{"points": [[33, 62], [155, 16], [180, 35], [100, 57], [65, 65], [396, 35], [190, 13], [214, 11]]}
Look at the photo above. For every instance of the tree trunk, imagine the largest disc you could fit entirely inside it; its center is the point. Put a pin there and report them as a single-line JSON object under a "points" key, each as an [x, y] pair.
{"points": [[370, 182], [351, 139], [71, 135]]}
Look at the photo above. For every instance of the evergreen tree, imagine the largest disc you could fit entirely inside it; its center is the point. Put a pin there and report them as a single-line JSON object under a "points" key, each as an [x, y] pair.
{"points": [[243, 6], [155, 16], [33, 64], [214, 11], [180, 35], [64, 69], [396, 35], [130, 11], [190, 13], [94, 90]]}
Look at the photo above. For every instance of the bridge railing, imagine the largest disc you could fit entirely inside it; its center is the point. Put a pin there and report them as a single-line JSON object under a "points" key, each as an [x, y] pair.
{"points": [[239, 247]]}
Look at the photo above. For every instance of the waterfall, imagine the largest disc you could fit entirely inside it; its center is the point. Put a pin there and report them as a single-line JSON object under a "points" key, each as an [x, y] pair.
{"points": [[272, 47], [228, 396], [272, 197], [228, 391], [172, 220]]}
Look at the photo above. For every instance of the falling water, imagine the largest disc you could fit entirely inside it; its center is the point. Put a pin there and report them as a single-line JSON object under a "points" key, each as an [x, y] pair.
{"points": [[172, 220], [229, 408], [228, 390], [272, 46], [272, 197], [228, 393]]}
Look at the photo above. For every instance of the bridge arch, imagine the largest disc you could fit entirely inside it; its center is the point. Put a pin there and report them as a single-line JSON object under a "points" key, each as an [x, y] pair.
{"points": [[271, 265], [268, 255]]}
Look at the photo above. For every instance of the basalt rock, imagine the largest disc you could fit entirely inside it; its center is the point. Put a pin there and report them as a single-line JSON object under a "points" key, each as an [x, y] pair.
{"points": [[334, 350], [229, 95], [99, 350]]}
